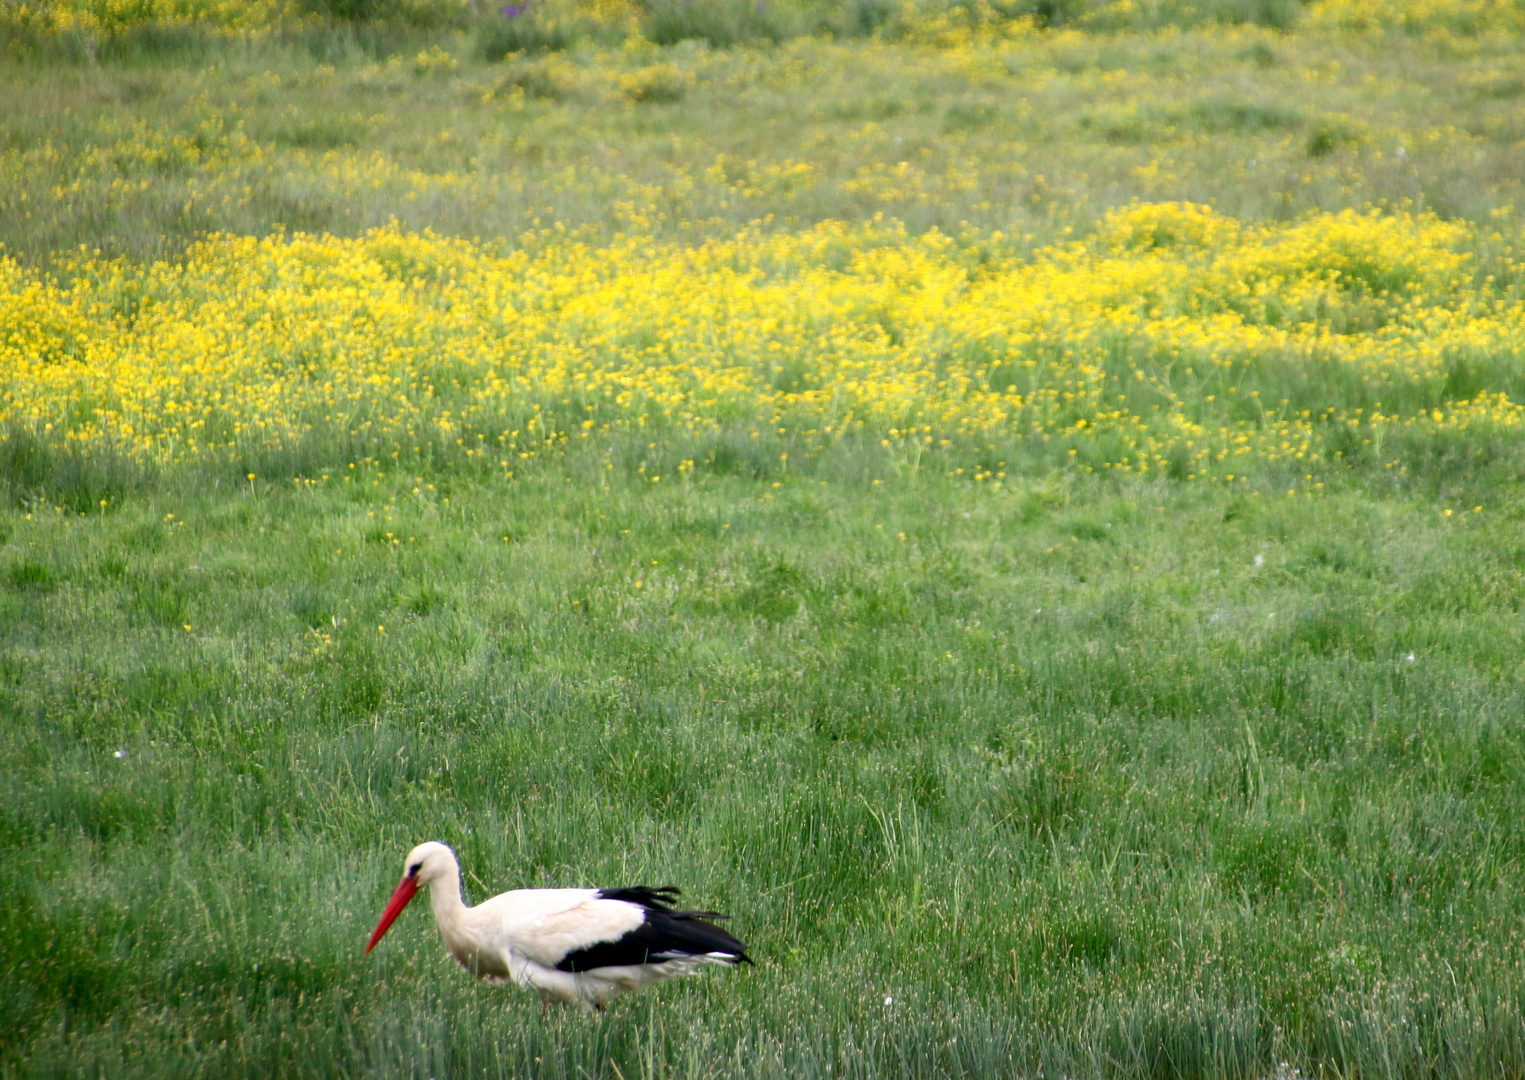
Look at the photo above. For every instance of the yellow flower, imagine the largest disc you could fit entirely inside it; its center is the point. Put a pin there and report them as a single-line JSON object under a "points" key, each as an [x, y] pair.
{"points": [[1135, 350]]}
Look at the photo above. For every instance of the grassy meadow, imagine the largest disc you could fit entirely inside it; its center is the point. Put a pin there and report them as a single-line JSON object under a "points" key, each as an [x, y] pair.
{"points": [[1020, 507]]}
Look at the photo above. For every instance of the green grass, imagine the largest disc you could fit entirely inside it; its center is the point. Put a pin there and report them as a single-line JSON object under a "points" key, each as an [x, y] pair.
{"points": [[1098, 779], [341, 131], [1079, 777]]}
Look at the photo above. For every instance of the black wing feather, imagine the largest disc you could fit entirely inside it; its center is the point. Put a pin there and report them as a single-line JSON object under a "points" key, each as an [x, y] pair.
{"points": [[657, 899], [665, 934]]}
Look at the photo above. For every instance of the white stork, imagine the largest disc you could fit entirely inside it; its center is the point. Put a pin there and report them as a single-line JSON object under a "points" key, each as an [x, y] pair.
{"points": [[580, 945]]}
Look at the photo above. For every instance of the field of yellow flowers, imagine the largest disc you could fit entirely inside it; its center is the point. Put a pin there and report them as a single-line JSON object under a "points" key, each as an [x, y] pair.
{"points": [[965, 234], [1018, 504], [1171, 341]]}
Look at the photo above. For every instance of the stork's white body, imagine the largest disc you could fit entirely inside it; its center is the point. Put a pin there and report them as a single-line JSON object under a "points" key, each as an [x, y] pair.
{"points": [[578, 945]]}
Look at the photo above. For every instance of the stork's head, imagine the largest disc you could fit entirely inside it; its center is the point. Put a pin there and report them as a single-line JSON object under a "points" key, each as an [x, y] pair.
{"points": [[425, 864]]}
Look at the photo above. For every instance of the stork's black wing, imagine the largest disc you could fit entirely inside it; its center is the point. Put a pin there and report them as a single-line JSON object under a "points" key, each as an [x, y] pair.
{"points": [[665, 934]]}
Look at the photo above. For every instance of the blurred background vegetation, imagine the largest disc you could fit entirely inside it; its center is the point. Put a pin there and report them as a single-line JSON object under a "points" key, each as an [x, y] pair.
{"points": [[136, 132], [541, 25]]}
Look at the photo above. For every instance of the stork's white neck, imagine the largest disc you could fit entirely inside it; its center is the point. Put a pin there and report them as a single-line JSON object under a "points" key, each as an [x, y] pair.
{"points": [[462, 933], [445, 897]]}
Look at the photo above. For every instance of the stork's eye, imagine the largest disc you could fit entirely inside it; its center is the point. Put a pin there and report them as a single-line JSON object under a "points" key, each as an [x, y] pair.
{"points": [[414, 869]]}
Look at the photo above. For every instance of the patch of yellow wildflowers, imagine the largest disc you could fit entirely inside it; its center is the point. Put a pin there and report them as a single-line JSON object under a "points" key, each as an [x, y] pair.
{"points": [[956, 26], [111, 16], [58, 16], [1464, 17], [1172, 337]]}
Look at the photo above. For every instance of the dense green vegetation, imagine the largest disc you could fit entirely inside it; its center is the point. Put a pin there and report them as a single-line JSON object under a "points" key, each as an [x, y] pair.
{"points": [[343, 131], [1098, 779]]}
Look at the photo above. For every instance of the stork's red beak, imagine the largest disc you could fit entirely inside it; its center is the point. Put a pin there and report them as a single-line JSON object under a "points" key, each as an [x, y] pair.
{"points": [[406, 888]]}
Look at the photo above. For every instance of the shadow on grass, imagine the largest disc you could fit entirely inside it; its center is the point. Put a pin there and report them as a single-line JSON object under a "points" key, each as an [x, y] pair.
{"points": [[77, 479]]}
